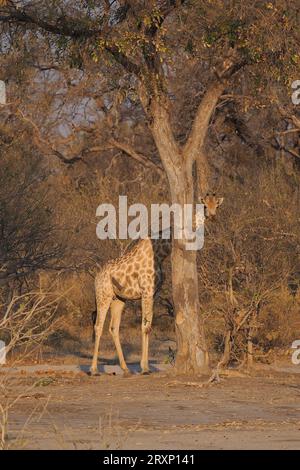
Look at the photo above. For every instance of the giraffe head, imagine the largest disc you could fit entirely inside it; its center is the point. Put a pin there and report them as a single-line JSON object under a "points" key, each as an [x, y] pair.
{"points": [[211, 203]]}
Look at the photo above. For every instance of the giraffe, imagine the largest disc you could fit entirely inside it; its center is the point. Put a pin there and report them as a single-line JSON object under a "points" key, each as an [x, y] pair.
{"points": [[136, 275]]}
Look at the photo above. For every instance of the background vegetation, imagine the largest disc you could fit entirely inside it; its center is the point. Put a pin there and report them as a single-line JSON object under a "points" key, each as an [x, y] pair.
{"points": [[74, 135]]}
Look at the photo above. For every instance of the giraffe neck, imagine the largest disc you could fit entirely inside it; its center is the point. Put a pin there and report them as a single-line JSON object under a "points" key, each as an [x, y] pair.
{"points": [[163, 246]]}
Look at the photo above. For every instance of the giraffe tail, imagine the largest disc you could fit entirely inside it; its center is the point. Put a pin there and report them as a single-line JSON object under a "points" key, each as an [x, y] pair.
{"points": [[94, 318]]}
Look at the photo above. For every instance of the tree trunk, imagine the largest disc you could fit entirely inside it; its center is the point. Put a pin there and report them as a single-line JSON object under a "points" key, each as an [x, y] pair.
{"points": [[227, 349], [250, 348], [192, 355]]}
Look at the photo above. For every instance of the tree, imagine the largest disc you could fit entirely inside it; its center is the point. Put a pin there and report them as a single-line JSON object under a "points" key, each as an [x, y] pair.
{"points": [[150, 44]]}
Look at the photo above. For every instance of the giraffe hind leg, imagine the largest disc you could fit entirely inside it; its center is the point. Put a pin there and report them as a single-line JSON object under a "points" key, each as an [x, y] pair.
{"points": [[94, 318], [116, 309], [147, 315]]}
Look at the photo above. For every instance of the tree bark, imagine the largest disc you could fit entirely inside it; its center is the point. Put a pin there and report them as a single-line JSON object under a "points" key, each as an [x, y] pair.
{"points": [[192, 354]]}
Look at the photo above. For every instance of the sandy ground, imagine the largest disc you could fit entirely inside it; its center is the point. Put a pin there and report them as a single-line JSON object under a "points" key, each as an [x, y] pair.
{"points": [[66, 409]]}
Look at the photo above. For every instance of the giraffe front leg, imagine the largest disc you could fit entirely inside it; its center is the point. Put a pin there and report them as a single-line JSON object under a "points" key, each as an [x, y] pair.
{"points": [[147, 315], [94, 367]]}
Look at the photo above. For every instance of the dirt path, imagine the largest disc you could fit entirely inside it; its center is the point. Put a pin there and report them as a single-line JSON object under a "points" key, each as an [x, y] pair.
{"points": [[74, 411]]}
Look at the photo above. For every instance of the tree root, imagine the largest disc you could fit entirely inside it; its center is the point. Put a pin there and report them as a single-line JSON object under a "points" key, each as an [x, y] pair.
{"points": [[213, 379]]}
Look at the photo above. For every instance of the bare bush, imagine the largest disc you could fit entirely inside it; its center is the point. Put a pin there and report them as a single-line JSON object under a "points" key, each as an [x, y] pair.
{"points": [[249, 257], [25, 323], [29, 240]]}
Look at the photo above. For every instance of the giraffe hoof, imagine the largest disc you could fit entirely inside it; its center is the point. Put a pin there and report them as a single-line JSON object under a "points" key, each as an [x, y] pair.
{"points": [[145, 372], [127, 373], [94, 373]]}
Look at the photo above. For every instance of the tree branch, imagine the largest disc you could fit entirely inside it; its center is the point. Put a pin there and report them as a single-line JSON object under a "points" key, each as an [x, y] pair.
{"points": [[136, 156], [121, 59], [202, 119], [288, 150], [291, 117], [169, 149], [70, 29], [40, 140], [230, 65]]}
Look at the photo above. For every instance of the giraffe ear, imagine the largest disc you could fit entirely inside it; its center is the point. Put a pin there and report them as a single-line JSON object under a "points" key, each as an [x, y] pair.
{"points": [[220, 201]]}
